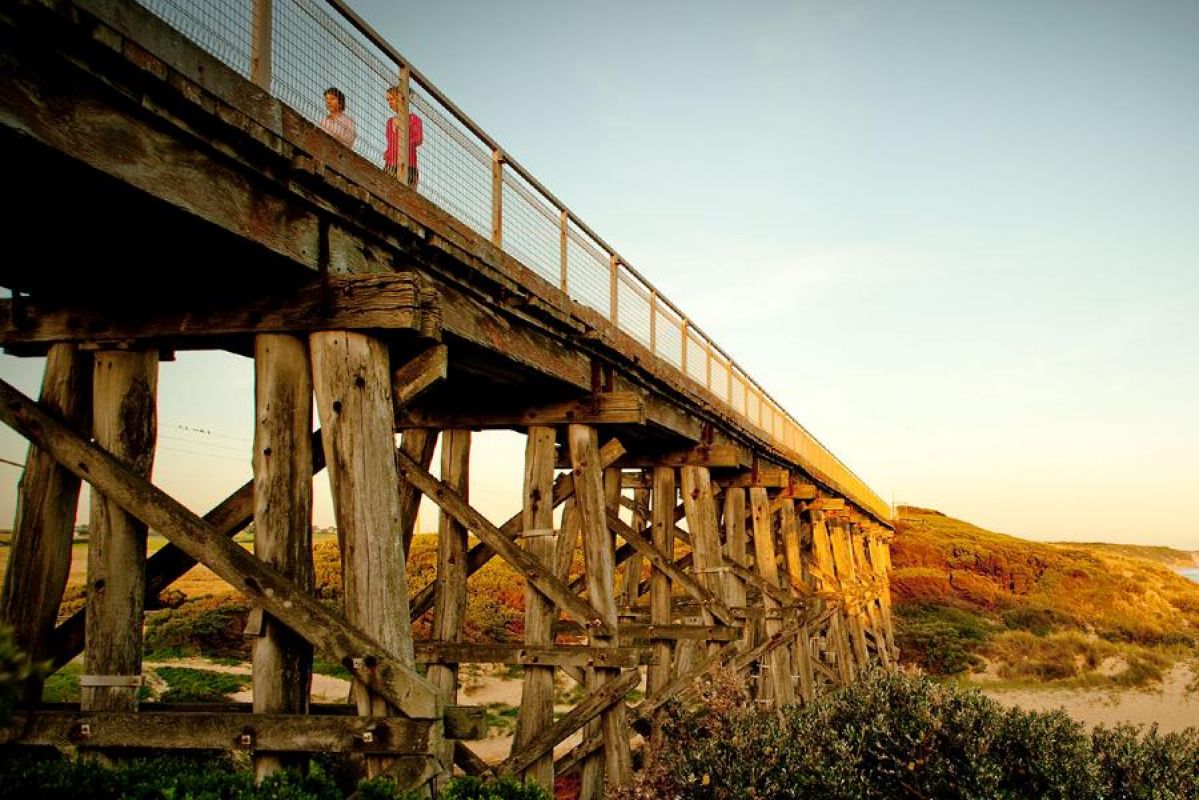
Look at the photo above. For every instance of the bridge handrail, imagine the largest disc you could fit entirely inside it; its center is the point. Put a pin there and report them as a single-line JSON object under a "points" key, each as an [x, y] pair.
{"points": [[249, 48]]}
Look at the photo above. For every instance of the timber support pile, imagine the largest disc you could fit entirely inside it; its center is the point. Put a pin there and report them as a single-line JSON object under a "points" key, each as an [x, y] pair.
{"points": [[668, 526]]}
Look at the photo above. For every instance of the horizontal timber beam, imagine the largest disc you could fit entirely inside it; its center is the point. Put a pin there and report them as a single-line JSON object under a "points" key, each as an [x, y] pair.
{"points": [[337, 302], [192, 730], [543, 655], [613, 408], [720, 455], [630, 632]]}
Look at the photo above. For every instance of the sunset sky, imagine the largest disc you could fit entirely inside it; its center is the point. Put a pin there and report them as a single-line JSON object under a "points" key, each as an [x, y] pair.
{"points": [[959, 242]]}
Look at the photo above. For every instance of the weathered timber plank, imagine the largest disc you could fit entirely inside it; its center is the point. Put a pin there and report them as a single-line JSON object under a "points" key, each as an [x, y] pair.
{"points": [[537, 695], [192, 730], [780, 689], [481, 553], [454, 505], [351, 375], [39, 557], [336, 302], [169, 563], [263, 585], [705, 534], [663, 510], [449, 605], [124, 422], [418, 444], [801, 652], [606, 408], [549, 655], [412, 378], [282, 461], [735, 552], [763, 477], [660, 561], [727, 455], [591, 706], [632, 632], [593, 499]]}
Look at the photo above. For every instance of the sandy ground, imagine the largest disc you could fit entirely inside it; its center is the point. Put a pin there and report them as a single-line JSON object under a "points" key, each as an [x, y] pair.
{"points": [[1170, 705]]}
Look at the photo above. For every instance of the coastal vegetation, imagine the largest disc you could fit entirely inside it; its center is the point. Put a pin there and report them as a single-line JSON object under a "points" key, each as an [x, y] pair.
{"points": [[971, 602]]}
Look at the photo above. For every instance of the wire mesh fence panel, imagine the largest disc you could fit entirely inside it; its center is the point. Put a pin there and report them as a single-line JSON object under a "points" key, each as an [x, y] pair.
{"points": [[455, 170], [220, 27], [738, 395], [313, 52], [532, 229], [720, 380], [633, 307], [588, 270], [697, 357], [669, 333]]}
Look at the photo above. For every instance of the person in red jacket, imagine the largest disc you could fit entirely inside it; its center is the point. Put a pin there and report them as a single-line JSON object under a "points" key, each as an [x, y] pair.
{"points": [[391, 157]]}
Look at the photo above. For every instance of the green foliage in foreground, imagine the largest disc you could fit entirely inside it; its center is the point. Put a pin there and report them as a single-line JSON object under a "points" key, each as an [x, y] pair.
{"points": [[209, 778], [16, 667], [893, 736]]}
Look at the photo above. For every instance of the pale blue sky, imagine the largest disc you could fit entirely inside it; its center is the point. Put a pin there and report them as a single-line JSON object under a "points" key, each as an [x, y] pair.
{"points": [[958, 241]]}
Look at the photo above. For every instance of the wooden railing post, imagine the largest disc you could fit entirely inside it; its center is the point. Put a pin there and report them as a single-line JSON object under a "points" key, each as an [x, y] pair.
{"points": [[403, 123], [497, 198], [260, 44], [613, 289]]}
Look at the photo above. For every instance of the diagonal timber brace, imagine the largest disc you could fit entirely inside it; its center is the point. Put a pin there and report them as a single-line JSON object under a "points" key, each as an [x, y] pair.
{"points": [[481, 554], [367, 660], [540, 576]]}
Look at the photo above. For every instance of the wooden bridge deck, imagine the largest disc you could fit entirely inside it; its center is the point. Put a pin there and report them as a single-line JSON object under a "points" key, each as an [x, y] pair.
{"points": [[170, 203]]}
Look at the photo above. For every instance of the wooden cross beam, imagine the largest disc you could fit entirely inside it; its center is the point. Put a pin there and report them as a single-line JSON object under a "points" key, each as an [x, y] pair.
{"points": [[536, 573], [396, 301], [604, 408], [229, 517], [762, 477], [728, 454], [204, 730], [481, 554], [660, 561], [369, 662], [589, 708]]}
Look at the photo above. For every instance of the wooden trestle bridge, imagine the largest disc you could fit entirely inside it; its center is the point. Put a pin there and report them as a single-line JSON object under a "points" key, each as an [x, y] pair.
{"points": [[170, 188]]}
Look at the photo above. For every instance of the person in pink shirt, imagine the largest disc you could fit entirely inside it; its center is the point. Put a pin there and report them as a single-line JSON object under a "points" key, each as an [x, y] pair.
{"points": [[338, 124], [391, 157]]}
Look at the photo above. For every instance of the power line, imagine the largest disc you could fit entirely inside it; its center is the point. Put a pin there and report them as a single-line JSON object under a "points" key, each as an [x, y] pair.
{"points": [[14, 463]]}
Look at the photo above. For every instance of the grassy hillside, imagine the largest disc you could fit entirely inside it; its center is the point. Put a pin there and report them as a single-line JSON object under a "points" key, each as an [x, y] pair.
{"points": [[968, 599]]}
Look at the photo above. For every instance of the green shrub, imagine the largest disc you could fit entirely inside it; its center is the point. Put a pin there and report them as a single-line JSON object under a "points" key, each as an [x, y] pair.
{"points": [[209, 626], [1147, 766], [199, 685], [16, 668], [891, 736], [506, 788], [940, 639]]}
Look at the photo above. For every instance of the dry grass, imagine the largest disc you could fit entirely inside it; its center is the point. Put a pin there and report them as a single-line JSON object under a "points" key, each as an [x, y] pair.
{"points": [[1067, 614]]}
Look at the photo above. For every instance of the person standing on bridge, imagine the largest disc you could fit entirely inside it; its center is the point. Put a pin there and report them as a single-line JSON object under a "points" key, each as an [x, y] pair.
{"points": [[338, 124], [391, 157]]}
